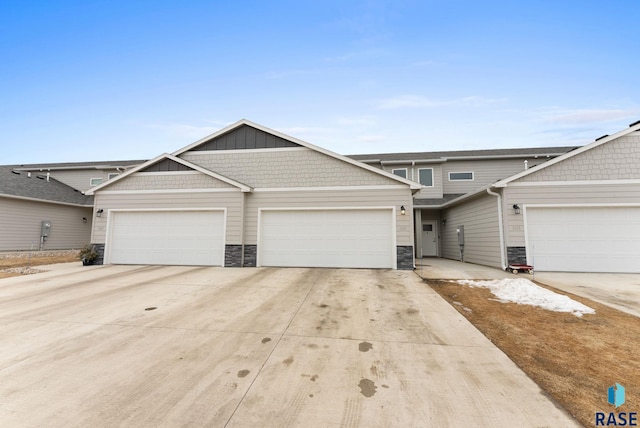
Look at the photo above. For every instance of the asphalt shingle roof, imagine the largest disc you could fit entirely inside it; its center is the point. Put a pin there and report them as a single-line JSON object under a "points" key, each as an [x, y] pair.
{"points": [[39, 188], [87, 165], [535, 151]]}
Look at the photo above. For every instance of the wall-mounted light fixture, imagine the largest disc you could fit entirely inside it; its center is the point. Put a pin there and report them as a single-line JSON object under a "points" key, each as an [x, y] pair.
{"points": [[99, 212], [516, 209], [444, 221], [402, 210], [84, 219]]}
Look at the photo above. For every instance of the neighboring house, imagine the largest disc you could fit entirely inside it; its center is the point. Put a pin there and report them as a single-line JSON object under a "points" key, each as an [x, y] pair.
{"points": [[569, 209], [81, 175], [38, 212], [36, 194], [251, 196]]}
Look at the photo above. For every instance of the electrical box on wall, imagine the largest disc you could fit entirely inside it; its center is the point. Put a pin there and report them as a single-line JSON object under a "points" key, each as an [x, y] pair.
{"points": [[46, 229]]}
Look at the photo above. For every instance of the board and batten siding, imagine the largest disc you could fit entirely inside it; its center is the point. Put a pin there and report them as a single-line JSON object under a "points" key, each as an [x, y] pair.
{"points": [[21, 222], [577, 194], [231, 200], [481, 231], [332, 199]]}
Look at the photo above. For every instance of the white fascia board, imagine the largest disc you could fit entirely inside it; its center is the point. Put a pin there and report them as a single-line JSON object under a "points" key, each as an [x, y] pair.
{"points": [[241, 186], [597, 143], [413, 185], [482, 190]]}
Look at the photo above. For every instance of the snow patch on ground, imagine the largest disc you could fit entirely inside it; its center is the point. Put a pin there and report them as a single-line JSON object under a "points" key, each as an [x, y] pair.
{"points": [[525, 292]]}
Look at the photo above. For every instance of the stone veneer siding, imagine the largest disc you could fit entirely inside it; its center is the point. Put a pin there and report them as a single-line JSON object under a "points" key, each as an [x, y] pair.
{"points": [[250, 255], [517, 255], [98, 248], [233, 256], [405, 257]]}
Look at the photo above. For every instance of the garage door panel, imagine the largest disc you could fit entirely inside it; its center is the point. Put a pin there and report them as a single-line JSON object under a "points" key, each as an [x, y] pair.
{"points": [[584, 239], [167, 238], [327, 238]]}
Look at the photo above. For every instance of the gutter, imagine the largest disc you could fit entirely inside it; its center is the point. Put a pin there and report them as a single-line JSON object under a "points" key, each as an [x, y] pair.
{"points": [[500, 226]]}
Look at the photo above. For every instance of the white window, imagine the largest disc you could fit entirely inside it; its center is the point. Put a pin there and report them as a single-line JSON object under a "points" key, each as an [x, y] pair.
{"points": [[111, 175], [425, 175], [400, 172], [461, 176], [95, 181]]}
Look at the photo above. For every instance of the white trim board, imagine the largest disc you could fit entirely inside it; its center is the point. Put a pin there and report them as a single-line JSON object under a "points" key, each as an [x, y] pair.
{"points": [[574, 183], [328, 188]]}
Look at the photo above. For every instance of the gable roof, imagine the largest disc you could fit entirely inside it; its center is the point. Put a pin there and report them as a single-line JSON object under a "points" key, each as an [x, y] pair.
{"points": [[443, 156], [36, 186], [599, 142], [176, 160], [244, 122]]}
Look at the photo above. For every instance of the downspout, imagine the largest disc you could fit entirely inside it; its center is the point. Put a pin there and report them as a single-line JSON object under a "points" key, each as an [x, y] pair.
{"points": [[500, 226], [244, 197]]}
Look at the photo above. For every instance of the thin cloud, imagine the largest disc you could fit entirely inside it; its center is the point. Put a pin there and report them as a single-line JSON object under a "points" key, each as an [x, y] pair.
{"points": [[184, 130], [582, 116], [418, 101]]}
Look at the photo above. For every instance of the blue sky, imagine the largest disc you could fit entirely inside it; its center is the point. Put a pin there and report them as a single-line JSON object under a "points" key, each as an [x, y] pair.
{"points": [[109, 80]]}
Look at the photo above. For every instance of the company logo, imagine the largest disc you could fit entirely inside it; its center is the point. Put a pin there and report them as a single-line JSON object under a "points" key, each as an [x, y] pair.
{"points": [[615, 397]]}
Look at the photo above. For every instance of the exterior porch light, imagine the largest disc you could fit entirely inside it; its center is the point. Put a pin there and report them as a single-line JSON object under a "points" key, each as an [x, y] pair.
{"points": [[516, 209], [402, 210], [99, 212]]}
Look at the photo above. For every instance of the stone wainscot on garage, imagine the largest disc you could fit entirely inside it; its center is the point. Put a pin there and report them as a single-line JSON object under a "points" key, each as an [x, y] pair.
{"points": [[251, 196]]}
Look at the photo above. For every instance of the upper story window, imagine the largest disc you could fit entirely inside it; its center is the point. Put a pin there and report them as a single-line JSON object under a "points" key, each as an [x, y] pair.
{"points": [[401, 172], [425, 175], [111, 175], [461, 176], [95, 181]]}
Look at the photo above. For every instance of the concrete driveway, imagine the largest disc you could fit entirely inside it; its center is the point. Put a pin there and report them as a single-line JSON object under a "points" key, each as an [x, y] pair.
{"points": [[618, 290], [250, 347]]}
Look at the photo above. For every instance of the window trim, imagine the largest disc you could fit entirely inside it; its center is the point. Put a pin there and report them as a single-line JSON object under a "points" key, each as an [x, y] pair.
{"points": [[112, 175], [96, 178], [406, 172], [462, 179], [433, 181]]}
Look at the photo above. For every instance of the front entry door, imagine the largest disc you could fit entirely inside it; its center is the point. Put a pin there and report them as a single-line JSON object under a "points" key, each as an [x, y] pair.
{"points": [[429, 239]]}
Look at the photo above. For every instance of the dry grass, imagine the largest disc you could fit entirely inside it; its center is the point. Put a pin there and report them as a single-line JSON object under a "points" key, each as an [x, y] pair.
{"points": [[36, 260], [574, 360]]}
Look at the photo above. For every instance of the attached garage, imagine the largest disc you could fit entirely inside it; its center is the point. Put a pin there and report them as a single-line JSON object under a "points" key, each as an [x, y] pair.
{"points": [[584, 239], [166, 237], [348, 238]]}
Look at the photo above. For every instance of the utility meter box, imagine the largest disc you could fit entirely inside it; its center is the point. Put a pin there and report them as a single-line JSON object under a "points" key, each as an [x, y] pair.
{"points": [[460, 232], [46, 229]]}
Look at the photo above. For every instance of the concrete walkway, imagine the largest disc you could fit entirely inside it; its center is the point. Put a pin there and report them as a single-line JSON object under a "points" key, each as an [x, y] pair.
{"points": [[619, 291]]}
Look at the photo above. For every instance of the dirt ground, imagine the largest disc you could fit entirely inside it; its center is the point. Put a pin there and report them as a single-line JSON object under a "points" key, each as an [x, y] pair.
{"points": [[15, 264], [575, 360]]}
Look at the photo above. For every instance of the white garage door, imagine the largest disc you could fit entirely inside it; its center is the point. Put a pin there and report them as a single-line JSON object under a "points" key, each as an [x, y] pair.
{"points": [[584, 239], [327, 238], [166, 238]]}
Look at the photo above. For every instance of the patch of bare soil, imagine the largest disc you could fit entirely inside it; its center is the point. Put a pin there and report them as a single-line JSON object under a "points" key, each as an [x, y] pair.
{"points": [[575, 360], [15, 264]]}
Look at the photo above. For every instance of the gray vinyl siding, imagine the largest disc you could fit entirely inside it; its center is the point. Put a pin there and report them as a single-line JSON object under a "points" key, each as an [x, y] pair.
{"points": [[183, 200], [560, 195], [332, 199], [294, 167], [21, 220], [413, 174], [81, 179], [481, 229], [484, 172]]}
